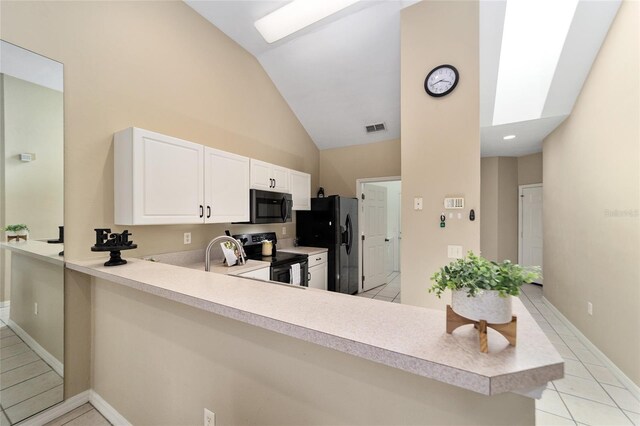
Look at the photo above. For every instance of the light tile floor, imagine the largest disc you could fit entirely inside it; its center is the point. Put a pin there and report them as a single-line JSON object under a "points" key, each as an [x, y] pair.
{"points": [[389, 292], [28, 385], [84, 415], [589, 394]]}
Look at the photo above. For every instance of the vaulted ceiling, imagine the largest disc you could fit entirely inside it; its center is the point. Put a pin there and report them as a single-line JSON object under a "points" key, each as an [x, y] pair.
{"points": [[343, 72]]}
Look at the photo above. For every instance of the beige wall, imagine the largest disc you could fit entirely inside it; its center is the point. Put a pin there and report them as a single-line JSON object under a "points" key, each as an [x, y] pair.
{"points": [[175, 360], [35, 281], [530, 169], [436, 134], [159, 66], [508, 209], [500, 206], [592, 201], [341, 167], [489, 207]]}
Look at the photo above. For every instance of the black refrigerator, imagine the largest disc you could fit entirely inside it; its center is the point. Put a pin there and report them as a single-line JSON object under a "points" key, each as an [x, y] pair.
{"points": [[332, 222]]}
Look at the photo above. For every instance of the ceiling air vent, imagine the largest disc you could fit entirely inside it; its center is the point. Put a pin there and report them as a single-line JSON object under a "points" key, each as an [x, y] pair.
{"points": [[371, 128]]}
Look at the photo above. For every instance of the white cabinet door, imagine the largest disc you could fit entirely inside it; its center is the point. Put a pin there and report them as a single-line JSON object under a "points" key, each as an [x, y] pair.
{"points": [[318, 276], [280, 177], [269, 177], [300, 185], [158, 179], [261, 175], [259, 274], [226, 187]]}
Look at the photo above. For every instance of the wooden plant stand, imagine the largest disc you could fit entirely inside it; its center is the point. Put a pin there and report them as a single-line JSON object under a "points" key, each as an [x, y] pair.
{"points": [[508, 330], [17, 238]]}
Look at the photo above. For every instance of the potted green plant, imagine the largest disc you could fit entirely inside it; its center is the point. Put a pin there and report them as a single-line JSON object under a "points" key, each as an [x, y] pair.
{"points": [[481, 289], [21, 230]]}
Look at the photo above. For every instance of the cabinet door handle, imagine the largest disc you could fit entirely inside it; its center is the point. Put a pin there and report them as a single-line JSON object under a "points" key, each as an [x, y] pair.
{"points": [[208, 212], [275, 183], [201, 211], [270, 183], [308, 276], [318, 258]]}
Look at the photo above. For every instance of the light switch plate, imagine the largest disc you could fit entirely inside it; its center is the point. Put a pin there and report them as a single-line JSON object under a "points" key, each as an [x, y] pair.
{"points": [[417, 203], [454, 252]]}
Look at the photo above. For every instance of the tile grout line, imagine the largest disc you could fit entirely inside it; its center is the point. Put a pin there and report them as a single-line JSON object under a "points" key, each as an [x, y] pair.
{"points": [[81, 414], [13, 423], [616, 405], [29, 363], [561, 399], [32, 396]]}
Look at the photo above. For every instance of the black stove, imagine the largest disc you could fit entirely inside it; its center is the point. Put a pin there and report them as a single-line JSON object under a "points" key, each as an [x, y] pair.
{"points": [[280, 262]]}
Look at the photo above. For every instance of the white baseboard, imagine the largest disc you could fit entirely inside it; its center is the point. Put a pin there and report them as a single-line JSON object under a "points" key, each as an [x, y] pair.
{"points": [[109, 413], [626, 381], [5, 304], [57, 410], [35, 346], [107, 410]]}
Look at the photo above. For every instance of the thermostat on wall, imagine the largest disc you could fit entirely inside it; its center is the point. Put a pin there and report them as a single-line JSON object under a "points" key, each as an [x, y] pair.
{"points": [[27, 157], [454, 203]]}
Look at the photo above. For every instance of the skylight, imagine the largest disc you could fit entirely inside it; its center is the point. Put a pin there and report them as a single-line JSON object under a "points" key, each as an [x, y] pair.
{"points": [[297, 15], [532, 40]]}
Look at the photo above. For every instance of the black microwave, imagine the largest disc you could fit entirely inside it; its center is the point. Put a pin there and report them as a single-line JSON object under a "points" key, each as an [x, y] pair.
{"points": [[270, 207]]}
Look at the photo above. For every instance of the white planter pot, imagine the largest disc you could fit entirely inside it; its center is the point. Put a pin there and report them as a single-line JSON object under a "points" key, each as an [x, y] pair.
{"points": [[486, 305], [9, 234]]}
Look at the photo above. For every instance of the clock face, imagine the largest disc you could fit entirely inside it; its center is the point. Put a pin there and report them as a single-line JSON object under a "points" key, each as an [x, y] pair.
{"points": [[441, 80]]}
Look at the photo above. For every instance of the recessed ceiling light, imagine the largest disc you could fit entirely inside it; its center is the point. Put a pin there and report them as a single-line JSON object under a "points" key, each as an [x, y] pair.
{"points": [[509, 137], [532, 40], [296, 15]]}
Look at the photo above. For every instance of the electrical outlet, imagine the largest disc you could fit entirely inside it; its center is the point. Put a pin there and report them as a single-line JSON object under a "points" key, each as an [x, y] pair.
{"points": [[209, 418], [187, 237], [284, 230], [589, 308], [417, 203], [35, 308]]}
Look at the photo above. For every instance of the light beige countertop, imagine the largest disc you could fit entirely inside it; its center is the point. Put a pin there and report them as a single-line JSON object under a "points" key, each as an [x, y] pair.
{"points": [[304, 250], [40, 250], [407, 337]]}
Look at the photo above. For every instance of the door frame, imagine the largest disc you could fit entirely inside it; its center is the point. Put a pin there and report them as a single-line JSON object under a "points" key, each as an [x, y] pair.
{"points": [[520, 196], [359, 186]]}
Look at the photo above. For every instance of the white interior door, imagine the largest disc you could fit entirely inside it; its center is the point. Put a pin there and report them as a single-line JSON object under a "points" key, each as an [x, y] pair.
{"points": [[531, 227], [374, 208]]}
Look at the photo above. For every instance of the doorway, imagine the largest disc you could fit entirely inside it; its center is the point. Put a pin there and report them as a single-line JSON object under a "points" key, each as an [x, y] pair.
{"points": [[380, 231], [530, 227]]}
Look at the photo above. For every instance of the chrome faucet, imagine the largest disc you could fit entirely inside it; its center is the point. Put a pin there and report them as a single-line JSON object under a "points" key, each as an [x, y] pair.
{"points": [[207, 260]]}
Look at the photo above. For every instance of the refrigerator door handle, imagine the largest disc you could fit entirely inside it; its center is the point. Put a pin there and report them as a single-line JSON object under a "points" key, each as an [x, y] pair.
{"points": [[349, 234]]}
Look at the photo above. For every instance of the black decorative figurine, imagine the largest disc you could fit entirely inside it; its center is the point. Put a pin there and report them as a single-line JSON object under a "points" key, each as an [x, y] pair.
{"points": [[114, 243]]}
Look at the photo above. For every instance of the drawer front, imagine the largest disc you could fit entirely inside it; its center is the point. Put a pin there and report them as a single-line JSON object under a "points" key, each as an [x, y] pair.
{"points": [[317, 259]]}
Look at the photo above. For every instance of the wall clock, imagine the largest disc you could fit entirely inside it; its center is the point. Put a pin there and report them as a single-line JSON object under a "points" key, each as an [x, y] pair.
{"points": [[441, 80]]}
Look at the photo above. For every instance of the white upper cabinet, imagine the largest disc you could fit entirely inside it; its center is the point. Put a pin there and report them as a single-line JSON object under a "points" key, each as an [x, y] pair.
{"points": [[158, 179], [269, 177], [226, 187], [161, 180], [300, 185]]}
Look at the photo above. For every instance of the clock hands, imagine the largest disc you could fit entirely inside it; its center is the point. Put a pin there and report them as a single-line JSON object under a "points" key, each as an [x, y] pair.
{"points": [[439, 81]]}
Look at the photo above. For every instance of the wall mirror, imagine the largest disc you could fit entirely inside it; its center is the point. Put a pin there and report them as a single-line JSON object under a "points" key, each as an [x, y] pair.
{"points": [[31, 256]]}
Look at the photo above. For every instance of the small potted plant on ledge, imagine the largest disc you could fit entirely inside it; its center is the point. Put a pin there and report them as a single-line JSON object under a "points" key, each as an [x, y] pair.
{"points": [[481, 289], [17, 232]]}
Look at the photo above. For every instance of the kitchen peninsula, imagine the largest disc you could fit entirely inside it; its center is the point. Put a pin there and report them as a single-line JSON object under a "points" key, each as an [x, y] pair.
{"points": [[408, 338]]}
